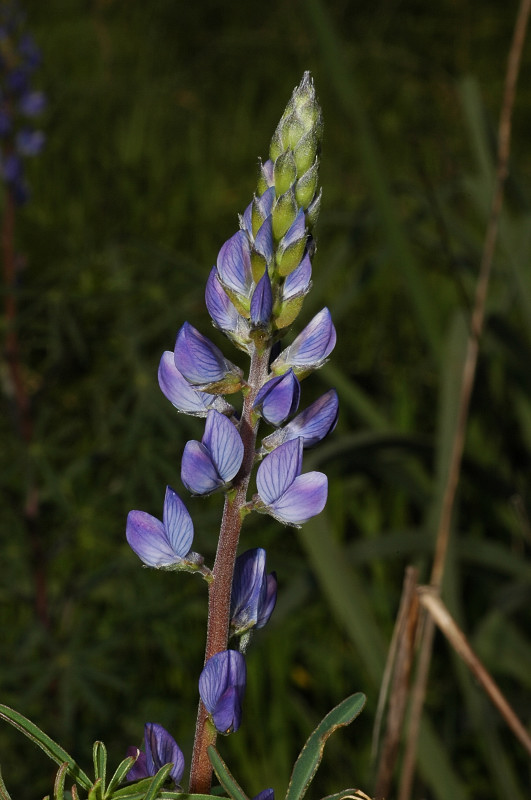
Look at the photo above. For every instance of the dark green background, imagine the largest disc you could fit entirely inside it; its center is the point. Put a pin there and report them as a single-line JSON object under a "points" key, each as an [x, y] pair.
{"points": [[157, 114]]}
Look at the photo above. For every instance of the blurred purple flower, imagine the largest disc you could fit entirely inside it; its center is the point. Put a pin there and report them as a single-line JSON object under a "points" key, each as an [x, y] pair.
{"points": [[29, 142], [254, 593], [160, 749], [214, 461], [161, 544], [32, 104], [287, 495], [222, 687], [279, 398]]}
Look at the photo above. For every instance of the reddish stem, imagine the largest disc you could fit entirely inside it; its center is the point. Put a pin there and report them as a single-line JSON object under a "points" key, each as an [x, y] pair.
{"points": [[220, 588]]}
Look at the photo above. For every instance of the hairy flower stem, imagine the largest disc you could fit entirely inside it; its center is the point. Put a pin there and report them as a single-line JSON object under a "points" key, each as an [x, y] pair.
{"points": [[220, 588]]}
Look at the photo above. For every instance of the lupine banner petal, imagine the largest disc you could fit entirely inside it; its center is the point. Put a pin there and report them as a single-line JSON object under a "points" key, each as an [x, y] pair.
{"points": [[222, 686], [198, 359], [234, 264], [161, 749], [312, 424], [298, 281], [305, 498], [278, 398], [278, 470], [147, 537], [313, 345], [178, 523], [180, 392], [262, 301], [224, 445], [219, 305], [198, 473]]}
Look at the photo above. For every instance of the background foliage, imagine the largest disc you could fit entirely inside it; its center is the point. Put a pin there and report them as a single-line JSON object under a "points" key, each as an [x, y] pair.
{"points": [[157, 114]]}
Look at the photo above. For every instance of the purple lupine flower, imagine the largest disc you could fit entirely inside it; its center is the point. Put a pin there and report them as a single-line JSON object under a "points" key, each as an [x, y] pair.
{"points": [[234, 268], [312, 424], [287, 495], [203, 364], [223, 312], [262, 302], [214, 461], [265, 794], [298, 282], [163, 544], [222, 687], [263, 241], [278, 398], [160, 749], [310, 349], [254, 592], [183, 395]]}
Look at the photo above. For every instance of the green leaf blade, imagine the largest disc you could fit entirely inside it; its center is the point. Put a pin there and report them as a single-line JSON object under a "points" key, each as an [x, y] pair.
{"points": [[312, 752], [42, 740], [228, 782]]}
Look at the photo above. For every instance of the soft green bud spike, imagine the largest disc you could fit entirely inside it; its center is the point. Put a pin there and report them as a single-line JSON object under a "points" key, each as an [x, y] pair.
{"points": [[306, 151], [301, 117], [285, 172], [306, 186], [283, 213]]}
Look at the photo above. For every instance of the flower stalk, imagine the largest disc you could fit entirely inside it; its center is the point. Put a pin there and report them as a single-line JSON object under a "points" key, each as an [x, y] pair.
{"points": [[220, 589]]}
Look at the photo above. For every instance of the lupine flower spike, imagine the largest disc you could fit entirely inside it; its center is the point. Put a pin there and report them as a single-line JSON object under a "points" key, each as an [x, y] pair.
{"points": [[20, 103], [254, 293], [159, 749]]}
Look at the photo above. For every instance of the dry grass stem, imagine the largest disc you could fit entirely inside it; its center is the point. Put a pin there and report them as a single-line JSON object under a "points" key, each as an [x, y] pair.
{"points": [[467, 382], [433, 604]]}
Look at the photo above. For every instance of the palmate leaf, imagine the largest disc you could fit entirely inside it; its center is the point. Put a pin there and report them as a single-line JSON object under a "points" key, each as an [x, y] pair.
{"points": [[51, 748], [230, 785], [312, 752]]}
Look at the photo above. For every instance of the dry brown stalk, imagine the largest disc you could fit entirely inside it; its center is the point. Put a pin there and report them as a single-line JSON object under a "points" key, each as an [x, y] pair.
{"points": [[467, 382]]}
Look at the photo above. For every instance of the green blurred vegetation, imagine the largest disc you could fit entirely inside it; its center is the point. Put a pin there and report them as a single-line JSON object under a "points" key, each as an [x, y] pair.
{"points": [[157, 114]]}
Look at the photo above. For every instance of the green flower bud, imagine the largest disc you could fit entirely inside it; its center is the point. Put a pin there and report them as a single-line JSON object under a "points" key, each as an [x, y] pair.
{"points": [[285, 172], [306, 186], [284, 213]]}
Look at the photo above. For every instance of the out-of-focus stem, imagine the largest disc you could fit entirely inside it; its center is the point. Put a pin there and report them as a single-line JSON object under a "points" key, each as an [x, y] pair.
{"points": [[220, 588], [21, 404]]}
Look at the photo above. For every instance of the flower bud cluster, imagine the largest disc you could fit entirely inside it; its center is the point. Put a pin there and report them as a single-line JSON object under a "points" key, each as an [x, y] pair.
{"points": [[253, 294], [20, 103]]}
